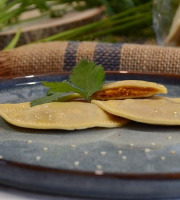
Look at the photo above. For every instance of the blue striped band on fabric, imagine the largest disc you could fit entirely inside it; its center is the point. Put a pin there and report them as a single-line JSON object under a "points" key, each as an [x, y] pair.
{"points": [[108, 55], [70, 56]]}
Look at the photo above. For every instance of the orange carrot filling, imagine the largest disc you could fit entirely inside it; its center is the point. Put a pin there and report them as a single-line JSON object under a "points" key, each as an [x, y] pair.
{"points": [[125, 91]]}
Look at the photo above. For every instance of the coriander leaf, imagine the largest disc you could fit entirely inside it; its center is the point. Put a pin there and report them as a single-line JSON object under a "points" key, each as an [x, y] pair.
{"points": [[45, 99], [61, 87], [88, 77]]}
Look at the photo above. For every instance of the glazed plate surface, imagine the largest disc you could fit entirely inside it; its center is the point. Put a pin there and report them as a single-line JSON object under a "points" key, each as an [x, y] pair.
{"points": [[135, 161]]}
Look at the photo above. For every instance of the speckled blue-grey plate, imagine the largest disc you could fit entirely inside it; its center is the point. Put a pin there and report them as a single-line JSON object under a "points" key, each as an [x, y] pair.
{"points": [[136, 161]]}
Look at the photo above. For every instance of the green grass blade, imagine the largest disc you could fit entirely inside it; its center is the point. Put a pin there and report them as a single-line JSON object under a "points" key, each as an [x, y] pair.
{"points": [[70, 34], [9, 6], [3, 3], [14, 41], [121, 27]]}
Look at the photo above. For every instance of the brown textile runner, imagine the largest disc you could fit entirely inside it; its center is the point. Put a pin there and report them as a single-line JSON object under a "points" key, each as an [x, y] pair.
{"points": [[56, 57]]}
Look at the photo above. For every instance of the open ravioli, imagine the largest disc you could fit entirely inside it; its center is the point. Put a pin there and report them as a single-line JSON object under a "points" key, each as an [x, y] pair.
{"points": [[154, 110], [59, 115], [129, 89]]}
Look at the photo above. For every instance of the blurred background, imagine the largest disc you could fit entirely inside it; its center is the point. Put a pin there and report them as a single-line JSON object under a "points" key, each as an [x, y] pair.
{"points": [[127, 21]]}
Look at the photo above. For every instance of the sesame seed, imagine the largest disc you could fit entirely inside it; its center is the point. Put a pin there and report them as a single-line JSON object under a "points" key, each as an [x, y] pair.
{"points": [[153, 144], [147, 150], [169, 137], [38, 157], [124, 157], [86, 152], [76, 163], [120, 152], [131, 145], [163, 158], [1, 157], [45, 148], [29, 141], [103, 153], [99, 166], [73, 145]]}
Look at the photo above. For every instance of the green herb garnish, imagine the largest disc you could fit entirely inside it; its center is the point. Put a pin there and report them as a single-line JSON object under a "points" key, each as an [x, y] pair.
{"points": [[86, 79]]}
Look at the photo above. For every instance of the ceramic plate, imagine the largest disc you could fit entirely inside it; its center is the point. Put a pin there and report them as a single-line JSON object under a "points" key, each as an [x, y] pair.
{"points": [[136, 161]]}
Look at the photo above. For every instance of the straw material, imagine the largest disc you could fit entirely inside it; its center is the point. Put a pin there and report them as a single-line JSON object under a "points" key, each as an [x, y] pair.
{"points": [[5, 68], [55, 57], [144, 58]]}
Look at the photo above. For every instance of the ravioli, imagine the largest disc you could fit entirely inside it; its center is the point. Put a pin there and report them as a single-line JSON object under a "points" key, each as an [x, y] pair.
{"points": [[59, 115], [129, 89], [154, 110]]}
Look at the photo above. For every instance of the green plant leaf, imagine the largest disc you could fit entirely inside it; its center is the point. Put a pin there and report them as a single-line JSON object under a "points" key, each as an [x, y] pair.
{"points": [[64, 86], [88, 76], [86, 79]]}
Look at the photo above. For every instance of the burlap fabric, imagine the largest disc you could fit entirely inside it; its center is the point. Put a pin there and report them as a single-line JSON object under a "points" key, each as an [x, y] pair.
{"points": [[55, 57]]}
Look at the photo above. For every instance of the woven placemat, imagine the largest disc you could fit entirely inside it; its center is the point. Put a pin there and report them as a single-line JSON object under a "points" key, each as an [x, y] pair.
{"points": [[56, 57]]}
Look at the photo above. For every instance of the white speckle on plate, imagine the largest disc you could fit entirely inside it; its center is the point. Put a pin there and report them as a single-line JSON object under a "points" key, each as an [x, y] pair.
{"points": [[99, 172], [103, 153], [76, 163], [45, 148], [169, 137], [120, 152], [124, 157], [147, 150], [86, 152], [153, 144], [163, 158], [38, 157], [131, 145], [29, 141], [99, 166], [73, 145]]}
